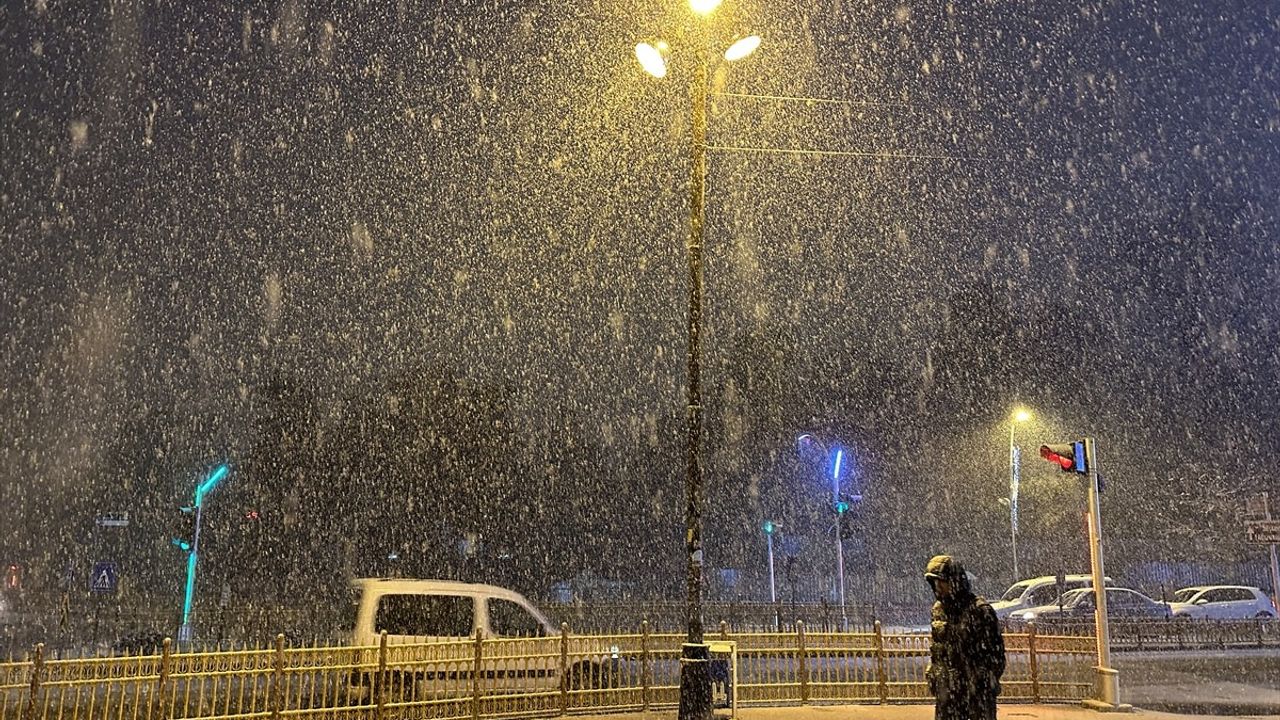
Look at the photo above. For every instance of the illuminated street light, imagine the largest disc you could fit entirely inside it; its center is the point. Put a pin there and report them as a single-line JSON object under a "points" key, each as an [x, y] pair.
{"points": [[186, 632], [695, 677], [1020, 415], [652, 58], [742, 48], [704, 7]]}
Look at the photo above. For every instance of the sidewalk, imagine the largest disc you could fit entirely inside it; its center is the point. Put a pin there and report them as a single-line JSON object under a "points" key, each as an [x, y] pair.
{"points": [[913, 712]]}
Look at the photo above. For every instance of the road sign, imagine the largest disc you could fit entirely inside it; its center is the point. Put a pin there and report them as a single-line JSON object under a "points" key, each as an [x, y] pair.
{"points": [[1256, 506], [104, 578], [114, 520], [1263, 532]]}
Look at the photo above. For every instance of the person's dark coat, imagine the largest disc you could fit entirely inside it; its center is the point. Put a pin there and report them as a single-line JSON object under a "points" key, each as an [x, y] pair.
{"points": [[967, 652]]}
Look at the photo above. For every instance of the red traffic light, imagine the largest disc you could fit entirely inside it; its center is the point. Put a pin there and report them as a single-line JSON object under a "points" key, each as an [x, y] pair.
{"points": [[13, 577], [1071, 457], [1048, 454]]}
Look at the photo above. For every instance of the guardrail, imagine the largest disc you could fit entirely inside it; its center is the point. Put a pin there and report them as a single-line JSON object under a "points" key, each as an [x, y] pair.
{"points": [[507, 678], [1175, 633]]}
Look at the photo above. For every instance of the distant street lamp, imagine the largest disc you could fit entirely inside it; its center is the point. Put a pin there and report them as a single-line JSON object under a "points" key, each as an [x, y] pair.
{"points": [[1019, 416], [841, 506], [695, 678]]}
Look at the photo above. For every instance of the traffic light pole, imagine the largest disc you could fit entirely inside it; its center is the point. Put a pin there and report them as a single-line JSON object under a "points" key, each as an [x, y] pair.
{"points": [[1108, 678], [186, 633]]}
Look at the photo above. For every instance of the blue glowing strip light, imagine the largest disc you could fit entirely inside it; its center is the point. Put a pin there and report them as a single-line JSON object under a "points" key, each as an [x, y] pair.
{"points": [[208, 485]]}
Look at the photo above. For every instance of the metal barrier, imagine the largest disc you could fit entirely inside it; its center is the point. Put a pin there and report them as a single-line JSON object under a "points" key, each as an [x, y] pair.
{"points": [[1173, 634], [506, 677]]}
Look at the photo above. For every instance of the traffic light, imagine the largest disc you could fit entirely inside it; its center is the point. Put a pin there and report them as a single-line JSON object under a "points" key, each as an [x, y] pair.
{"points": [[769, 527], [1069, 456], [185, 533]]}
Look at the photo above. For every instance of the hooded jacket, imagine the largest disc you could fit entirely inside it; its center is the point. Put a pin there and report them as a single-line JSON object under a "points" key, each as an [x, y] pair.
{"points": [[967, 651]]}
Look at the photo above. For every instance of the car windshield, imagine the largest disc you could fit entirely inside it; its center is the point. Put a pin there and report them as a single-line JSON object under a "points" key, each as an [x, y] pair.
{"points": [[1185, 594], [1075, 597], [1015, 591]]}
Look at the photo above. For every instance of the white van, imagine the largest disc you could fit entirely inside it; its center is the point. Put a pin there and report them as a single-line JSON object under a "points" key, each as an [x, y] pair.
{"points": [[1035, 592], [438, 621]]}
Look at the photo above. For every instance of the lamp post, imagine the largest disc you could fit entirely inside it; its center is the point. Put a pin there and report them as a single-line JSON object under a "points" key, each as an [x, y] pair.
{"points": [[1019, 415], [771, 527], [840, 506], [695, 680], [186, 632]]}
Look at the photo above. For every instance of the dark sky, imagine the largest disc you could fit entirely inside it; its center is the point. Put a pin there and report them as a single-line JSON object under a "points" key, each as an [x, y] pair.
{"points": [[195, 199]]}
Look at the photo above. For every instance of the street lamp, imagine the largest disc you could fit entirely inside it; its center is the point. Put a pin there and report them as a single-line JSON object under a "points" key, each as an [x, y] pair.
{"points": [[695, 678], [1020, 415], [186, 631], [841, 507]]}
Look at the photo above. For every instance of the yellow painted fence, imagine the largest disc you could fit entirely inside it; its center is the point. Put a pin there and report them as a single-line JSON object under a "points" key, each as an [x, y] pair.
{"points": [[506, 677]]}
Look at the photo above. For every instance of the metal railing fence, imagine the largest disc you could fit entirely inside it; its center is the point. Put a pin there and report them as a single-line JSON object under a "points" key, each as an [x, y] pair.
{"points": [[506, 677]]}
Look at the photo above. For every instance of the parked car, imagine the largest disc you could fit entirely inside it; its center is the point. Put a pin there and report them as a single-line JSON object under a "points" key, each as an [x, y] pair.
{"points": [[1078, 605], [1036, 592], [415, 612], [1222, 602]]}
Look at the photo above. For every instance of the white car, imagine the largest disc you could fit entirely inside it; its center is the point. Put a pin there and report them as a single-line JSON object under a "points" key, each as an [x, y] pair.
{"points": [[1222, 602], [1078, 605], [1037, 592], [431, 626]]}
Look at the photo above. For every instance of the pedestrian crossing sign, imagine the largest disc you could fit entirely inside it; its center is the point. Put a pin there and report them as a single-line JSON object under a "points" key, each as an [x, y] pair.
{"points": [[104, 578]]}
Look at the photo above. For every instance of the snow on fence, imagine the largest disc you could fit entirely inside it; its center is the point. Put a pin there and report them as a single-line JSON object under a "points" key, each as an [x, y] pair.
{"points": [[506, 678]]}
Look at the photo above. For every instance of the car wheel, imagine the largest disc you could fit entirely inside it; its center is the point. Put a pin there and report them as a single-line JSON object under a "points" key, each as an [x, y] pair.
{"points": [[1264, 615]]}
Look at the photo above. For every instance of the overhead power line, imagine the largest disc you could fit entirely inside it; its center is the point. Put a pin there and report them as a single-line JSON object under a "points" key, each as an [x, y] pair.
{"points": [[850, 153], [814, 100]]}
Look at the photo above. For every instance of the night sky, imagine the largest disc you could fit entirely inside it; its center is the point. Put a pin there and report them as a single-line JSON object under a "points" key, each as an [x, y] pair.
{"points": [[1068, 205]]}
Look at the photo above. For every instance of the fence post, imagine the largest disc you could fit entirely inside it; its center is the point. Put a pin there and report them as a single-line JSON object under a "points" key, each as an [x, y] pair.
{"points": [[475, 676], [380, 682], [646, 669], [564, 668], [882, 677], [724, 630], [162, 682], [277, 677], [803, 663], [37, 669], [1034, 662]]}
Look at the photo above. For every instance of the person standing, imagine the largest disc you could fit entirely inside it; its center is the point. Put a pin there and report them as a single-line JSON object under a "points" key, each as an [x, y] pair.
{"points": [[966, 655]]}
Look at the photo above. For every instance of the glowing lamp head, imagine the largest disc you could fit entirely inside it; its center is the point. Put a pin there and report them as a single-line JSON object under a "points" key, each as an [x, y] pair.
{"points": [[742, 48], [1021, 415], [652, 58], [704, 7]]}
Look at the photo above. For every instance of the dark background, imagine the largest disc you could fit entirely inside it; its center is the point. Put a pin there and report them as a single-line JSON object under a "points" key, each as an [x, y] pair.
{"points": [[416, 270]]}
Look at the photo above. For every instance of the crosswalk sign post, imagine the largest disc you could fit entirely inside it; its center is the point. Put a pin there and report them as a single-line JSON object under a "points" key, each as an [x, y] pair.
{"points": [[104, 579]]}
